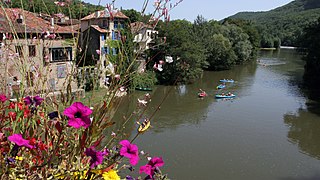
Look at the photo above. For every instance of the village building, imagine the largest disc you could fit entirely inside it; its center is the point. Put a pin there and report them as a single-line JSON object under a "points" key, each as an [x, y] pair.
{"points": [[145, 36], [99, 32], [35, 53]]}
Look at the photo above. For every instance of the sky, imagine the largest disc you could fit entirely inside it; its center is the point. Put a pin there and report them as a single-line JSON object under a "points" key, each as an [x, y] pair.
{"points": [[209, 9]]}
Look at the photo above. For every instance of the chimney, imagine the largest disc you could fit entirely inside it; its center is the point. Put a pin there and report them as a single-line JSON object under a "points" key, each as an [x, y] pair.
{"points": [[20, 19], [52, 21], [63, 20], [97, 14]]}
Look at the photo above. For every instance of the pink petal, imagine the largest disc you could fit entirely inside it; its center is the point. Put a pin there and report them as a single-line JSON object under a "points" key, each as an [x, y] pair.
{"points": [[134, 160], [75, 122]]}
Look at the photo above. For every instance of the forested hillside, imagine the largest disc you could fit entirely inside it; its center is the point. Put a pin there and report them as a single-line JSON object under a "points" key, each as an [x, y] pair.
{"points": [[75, 9], [285, 23]]}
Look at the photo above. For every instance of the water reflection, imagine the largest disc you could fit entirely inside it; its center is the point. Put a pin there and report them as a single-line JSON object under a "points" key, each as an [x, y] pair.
{"points": [[243, 138], [304, 131]]}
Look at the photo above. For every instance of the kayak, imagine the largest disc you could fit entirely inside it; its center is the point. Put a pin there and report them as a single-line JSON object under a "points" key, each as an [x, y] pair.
{"points": [[202, 94], [221, 86], [227, 80], [144, 88], [144, 126], [225, 96]]}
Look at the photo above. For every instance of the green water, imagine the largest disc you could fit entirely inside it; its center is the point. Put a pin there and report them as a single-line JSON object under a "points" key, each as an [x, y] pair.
{"points": [[270, 131]]}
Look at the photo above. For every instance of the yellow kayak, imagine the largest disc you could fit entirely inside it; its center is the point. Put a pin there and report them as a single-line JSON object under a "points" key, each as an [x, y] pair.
{"points": [[144, 126]]}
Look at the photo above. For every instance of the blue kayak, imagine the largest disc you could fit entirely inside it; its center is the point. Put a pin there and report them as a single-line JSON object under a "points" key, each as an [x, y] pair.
{"points": [[227, 80], [221, 86], [225, 96]]}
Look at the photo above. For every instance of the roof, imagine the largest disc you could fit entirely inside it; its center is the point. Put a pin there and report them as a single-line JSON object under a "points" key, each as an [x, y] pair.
{"points": [[31, 23], [137, 26], [104, 14], [101, 30], [68, 22]]}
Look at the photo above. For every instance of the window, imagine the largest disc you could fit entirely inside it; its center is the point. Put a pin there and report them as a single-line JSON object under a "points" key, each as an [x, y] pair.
{"points": [[122, 25], [61, 54], [115, 24], [61, 71], [105, 23], [29, 78], [106, 50], [32, 50], [116, 35], [113, 35], [115, 51], [19, 50]]}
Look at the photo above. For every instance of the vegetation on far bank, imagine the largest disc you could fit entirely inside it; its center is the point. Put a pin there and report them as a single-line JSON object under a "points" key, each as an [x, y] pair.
{"points": [[283, 25]]}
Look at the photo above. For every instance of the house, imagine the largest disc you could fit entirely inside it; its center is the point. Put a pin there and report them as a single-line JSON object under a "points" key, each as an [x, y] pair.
{"points": [[145, 36], [98, 32], [35, 53]]}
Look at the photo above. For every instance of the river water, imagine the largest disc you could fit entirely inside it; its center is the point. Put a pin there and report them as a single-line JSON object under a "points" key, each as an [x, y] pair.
{"points": [[271, 130]]}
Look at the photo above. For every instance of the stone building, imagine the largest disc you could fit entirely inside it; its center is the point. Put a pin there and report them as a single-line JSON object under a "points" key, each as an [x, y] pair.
{"points": [[35, 53]]}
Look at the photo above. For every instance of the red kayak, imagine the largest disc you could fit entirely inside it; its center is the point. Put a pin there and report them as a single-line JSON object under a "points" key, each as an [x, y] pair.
{"points": [[202, 94]]}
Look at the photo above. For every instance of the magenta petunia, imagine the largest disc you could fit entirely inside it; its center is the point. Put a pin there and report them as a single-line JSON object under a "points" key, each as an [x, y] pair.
{"points": [[18, 140], [130, 151], [151, 166], [36, 100], [79, 115], [3, 98], [96, 156]]}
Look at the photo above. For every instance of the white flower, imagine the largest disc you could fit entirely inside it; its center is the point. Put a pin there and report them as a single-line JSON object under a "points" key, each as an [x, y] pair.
{"points": [[142, 102], [169, 59]]}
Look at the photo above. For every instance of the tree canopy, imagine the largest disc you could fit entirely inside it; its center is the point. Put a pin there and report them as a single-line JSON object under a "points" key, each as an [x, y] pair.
{"points": [[283, 24]]}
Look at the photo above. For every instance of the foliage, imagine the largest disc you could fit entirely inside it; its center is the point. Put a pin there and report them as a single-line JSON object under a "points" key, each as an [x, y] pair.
{"points": [[74, 9], [188, 55], [221, 54], [132, 14], [203, 45], [284, 23], [144, 79], [310, 44]]}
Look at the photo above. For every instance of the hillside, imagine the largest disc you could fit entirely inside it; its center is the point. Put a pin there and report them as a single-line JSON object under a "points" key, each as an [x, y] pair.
{"points": [[285, 22], [75, 9]]}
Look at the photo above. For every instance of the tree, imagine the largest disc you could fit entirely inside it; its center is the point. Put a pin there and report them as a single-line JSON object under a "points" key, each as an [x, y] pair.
{"points": [[221, 56], [188, 54], [310, 45], [133, 15]]}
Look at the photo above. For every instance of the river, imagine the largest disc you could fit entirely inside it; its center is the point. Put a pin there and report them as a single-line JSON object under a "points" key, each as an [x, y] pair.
{"points": [[270, 131]]}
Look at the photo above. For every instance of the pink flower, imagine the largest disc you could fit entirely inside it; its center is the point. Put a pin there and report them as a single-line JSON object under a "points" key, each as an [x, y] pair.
{"points": [[98, 52], [151, 166], [79, 115], [96, 156], [3, 98], [130, 151], [18, 140], [36, 100]]}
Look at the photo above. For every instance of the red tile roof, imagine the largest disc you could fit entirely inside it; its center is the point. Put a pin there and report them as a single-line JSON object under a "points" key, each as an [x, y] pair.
{"points": [[101, 30], [30, 23], [104, 14], [137, 26]]}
